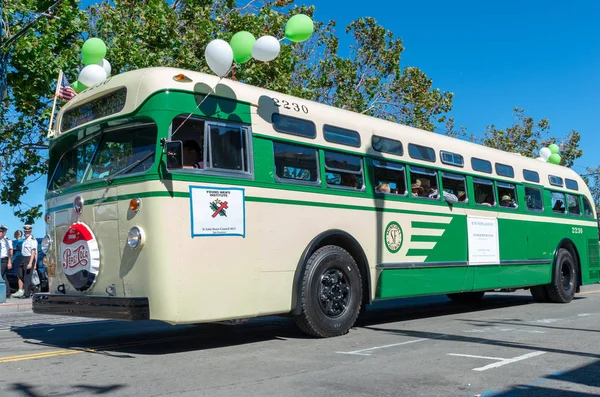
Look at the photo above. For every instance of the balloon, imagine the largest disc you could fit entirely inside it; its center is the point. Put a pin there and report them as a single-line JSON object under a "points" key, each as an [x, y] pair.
{"points": [[299, 28], [92, 74], [266, 48], [554, 158], [219, 57], [545, 153], [554, 148], [78, 86], [241, 44], [541, 159], [106, 66], [93, 51]]}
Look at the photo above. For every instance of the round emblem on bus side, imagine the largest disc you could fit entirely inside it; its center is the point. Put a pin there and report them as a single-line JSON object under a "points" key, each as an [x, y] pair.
{"points": [[393, 237], [80, 256]]}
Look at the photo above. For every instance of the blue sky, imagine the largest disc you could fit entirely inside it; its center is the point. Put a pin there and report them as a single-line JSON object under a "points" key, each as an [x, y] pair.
{"points": [[543, 56]]}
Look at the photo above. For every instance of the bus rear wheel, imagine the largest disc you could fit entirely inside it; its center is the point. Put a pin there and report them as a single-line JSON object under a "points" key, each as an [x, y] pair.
{"points": [[467, 297], [331, 293], [564, 284]]}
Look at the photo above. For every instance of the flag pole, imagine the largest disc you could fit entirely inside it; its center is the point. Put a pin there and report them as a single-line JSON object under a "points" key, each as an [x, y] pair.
{"points": [[60, 74]]}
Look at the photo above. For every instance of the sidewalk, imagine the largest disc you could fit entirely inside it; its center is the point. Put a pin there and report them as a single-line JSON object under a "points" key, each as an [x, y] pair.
{"points": [[15, 305]]}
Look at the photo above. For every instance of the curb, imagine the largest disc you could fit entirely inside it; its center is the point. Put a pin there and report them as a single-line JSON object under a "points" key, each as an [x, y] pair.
{"points": [[11, 306]]}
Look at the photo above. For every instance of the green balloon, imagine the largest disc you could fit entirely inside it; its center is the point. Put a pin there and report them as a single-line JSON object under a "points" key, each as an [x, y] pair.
{"points": [[78, 86], [554, 148], [241, 43], [554, 158], [93, 51], [299, 28]]}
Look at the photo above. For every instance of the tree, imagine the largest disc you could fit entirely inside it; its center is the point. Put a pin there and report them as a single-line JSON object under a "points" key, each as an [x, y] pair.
{"points": [[592, 178], [34, 62], [525, 137], [146, 33]]}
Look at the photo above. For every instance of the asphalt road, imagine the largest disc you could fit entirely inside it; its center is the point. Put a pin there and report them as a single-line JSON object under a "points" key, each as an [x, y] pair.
{"points": [[505, 346]]}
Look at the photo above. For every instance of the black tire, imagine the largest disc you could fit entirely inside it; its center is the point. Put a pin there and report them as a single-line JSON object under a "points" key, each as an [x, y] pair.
{"points": [[564, 280], [331, 292], [540, 294], [467, 297]]}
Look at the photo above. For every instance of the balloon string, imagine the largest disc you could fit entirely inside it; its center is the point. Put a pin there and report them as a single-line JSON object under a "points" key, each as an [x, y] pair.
{"points": [[202, 101]]}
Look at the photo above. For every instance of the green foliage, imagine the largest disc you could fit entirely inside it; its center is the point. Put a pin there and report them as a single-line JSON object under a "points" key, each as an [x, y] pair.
{"points": [[526, 137], [148, 33], [592, 178]]}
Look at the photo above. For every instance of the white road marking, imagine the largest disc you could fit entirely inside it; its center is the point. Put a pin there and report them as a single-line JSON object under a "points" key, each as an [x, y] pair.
{"points": [[546, 321], [367, 352], [584, 314], [469, 355], [501, 361]]}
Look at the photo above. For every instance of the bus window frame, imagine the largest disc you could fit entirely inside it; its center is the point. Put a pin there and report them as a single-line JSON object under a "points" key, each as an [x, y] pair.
{"points": [[424, 171], [400, 167], [278, 179], [97, 135], [508, 185], [541, 191], [341, 170], [245, 128], [456, 177], [484, 181], [578, 201], [554, 212]]}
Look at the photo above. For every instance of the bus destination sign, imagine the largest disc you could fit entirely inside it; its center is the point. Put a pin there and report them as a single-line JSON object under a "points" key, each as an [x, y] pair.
{"points": [[101, 107]]}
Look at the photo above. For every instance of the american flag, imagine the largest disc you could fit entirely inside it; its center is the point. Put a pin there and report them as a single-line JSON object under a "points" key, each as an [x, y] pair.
{"points": [[65, 91]]}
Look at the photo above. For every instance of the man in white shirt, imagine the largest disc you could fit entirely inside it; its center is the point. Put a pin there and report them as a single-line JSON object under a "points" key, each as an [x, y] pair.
{"points": [[6, 253], [27, 263]]}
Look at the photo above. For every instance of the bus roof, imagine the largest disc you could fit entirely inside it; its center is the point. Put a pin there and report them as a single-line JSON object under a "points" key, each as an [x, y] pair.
{"points": [[142, 83]]}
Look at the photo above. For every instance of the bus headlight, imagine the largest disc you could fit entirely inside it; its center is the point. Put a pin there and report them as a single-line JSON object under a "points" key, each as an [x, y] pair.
{"points": [[46, 243], [135, 237]]}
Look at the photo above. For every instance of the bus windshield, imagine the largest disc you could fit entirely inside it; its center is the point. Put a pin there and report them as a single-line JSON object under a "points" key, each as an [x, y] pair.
{"points": [[122, 150]]}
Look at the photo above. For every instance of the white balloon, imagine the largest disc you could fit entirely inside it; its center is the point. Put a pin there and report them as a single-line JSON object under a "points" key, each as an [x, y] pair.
{"points": [[106, 66], [219, 57], [541, 159], [266, 48], [545, 153], [91, 75]]}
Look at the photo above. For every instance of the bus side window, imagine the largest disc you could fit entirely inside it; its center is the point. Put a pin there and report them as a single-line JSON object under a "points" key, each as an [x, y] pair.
{"points": [[484, 192], [191, 133], [343, 170], [588, 212], [455, 184], [574, 207], [295, 163], [533, 198], [508, 195], [424, 182], [389, 177], [558, 202]]}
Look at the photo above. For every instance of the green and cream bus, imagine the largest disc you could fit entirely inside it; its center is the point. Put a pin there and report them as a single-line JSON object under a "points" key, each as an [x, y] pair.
{"points": [[176, 196]]}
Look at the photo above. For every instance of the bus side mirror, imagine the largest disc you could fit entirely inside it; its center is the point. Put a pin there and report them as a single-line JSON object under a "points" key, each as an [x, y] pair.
{"points": [[174, 155]]}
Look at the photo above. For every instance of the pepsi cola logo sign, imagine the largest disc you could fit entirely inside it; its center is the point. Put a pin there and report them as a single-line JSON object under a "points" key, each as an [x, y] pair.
{"points": [[80, 257]]}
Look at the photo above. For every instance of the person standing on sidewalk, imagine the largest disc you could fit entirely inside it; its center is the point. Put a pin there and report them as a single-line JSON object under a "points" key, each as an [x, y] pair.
{"points": [[6, 253], [26, 263]]}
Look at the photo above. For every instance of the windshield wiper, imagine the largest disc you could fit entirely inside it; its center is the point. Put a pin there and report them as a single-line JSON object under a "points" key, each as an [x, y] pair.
{"points": [[109, 178]]}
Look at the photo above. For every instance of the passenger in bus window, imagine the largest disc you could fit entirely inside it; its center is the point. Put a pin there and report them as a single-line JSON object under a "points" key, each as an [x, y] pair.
{"points": [[417, 189], [192, 154], [507, 201], [462, 196], [383, 188]]}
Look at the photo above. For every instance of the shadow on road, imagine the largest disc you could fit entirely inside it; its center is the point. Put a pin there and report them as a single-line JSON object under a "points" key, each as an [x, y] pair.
{"points": [[586, 375], [39, 391], [123, 339]]}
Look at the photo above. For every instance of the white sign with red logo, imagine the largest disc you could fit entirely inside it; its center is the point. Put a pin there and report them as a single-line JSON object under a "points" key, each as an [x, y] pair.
{"points": [[79, 252]]}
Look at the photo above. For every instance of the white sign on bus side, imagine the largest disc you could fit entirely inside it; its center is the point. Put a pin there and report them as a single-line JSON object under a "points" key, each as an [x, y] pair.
{"points": [[217, 211], [484, 246]]}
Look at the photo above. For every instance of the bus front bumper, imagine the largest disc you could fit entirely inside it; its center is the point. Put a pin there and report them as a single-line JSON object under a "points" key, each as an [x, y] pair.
{"points": [[104, 307]]}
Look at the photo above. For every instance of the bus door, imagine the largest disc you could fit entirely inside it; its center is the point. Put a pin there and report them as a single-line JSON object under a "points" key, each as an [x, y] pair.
{"points": [[537, 235]]}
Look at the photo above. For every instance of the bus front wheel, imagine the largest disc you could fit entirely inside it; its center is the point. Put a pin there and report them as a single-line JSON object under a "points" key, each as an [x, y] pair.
{"points": [[331, 293], [562, 289]]}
